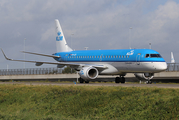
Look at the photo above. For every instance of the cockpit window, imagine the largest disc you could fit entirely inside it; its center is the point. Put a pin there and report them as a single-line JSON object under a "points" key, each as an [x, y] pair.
{"points": [[155, 56], [147, 55]]}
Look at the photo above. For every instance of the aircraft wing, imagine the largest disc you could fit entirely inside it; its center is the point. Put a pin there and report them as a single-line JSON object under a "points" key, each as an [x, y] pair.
{"points": [[38, 63]]}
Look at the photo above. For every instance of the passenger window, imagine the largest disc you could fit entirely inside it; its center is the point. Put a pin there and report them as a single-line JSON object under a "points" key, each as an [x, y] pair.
{"points": [[128, 56], [119, 56], [122, 56]]}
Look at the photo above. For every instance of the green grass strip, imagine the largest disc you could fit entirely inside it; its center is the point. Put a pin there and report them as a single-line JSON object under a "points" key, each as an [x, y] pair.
{"points": [[88, 102]]}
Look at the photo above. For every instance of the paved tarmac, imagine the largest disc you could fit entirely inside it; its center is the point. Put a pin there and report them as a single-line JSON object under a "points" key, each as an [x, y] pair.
{"points": [[98, 84]]}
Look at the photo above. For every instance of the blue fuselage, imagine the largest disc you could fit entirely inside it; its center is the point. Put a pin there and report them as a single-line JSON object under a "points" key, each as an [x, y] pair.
{"points": [[125, 60], [126, 55]]}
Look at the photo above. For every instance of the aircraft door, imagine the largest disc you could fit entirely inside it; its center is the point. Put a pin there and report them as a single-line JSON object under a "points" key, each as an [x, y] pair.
{"points": [[138, 58], [65, 57]]}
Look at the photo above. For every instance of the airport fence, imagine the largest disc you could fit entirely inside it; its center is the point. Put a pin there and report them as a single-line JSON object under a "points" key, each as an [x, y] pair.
{"points": [[31, 71], [172, 67]]}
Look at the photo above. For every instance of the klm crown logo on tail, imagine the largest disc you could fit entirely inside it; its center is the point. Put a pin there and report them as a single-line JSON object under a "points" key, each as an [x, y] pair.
{"points": [[59, 38]]}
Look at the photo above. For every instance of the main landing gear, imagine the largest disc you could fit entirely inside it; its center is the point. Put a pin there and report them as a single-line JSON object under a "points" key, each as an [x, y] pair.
{"points": [[82, 81], [120, 79], [149, 82]]}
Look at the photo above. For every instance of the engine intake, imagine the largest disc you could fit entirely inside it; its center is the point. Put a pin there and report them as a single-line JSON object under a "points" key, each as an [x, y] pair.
{"points": [[88, 73], [144, 76]]}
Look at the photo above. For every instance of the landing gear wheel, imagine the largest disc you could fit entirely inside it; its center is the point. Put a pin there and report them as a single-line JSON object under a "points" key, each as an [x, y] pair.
{"points": [[81, 80], [86, 81], [148, 82], [123, 80], [117, 79]]}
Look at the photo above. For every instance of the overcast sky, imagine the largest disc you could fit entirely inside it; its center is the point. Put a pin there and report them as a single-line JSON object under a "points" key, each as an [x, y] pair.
{"points": [[97, 24]]}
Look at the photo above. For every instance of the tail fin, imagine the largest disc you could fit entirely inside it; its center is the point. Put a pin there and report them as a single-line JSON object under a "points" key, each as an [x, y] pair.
{"points": [[60, 39], [172, 58]]}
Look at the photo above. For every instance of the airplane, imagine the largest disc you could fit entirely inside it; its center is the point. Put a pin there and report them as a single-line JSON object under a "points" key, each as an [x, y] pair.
{"points": [[171, 65], [91, 63], [172, 58]]}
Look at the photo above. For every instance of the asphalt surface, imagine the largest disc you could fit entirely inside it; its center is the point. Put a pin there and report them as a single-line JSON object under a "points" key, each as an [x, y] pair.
{"points": [[97, 84]]}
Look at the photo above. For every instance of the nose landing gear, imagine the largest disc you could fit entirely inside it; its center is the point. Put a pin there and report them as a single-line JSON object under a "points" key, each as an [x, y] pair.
{"points": [[149, 82]]}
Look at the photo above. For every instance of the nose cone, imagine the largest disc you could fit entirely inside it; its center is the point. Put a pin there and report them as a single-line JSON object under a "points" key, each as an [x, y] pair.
{"points": [[161, 66]]}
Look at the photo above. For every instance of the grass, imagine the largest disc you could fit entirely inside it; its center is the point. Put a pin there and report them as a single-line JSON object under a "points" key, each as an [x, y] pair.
{"points": [[87, 102]]}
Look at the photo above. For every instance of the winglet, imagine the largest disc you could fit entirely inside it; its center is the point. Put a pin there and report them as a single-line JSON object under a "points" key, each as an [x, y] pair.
{"points": [[5, 55]]}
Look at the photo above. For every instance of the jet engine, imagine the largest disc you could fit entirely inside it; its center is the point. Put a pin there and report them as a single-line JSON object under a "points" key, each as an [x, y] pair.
{"points": [[144, 76], [38, 63], [88, 73]]}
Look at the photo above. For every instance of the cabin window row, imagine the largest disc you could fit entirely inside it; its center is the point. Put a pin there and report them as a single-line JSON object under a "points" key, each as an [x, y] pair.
{"points": [[107, 56]]}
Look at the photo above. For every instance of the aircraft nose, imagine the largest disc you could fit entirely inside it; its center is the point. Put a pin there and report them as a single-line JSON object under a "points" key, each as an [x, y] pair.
{"points": [[162, 66]]}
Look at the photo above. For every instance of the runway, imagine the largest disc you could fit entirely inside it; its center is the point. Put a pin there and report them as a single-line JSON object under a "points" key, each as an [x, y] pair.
{"points": [[97, 84]]}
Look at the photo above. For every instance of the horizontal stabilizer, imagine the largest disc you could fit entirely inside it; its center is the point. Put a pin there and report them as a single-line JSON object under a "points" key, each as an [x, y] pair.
{"points": [[41, 54]]}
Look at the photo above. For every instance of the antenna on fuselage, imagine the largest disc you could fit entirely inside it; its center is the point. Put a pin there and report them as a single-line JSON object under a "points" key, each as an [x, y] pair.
{"points": [[150, 46]]}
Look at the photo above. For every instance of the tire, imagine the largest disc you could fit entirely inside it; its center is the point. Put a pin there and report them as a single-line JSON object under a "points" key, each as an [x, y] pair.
{"points": [[117, 79], [123, 80], [86, 81], [81, 80]]}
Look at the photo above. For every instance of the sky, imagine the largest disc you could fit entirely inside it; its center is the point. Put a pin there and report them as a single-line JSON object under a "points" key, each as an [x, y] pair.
{"points": [[96, 24]]}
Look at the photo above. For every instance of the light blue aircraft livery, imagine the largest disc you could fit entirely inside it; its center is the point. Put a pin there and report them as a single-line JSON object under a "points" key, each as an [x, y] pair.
{"points": [[91, 63]]}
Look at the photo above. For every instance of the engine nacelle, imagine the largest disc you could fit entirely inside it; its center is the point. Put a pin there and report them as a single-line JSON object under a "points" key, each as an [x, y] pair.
{"points": [[88, 73], [144, 76], [60, 66], [38, 63]]}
